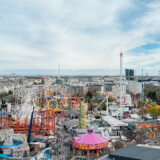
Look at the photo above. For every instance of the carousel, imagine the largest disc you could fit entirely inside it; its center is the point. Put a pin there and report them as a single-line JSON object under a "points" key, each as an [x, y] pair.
{"points": [[90, 141]]}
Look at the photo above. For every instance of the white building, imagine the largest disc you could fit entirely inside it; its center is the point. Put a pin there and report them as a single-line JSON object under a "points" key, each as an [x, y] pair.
{"points": [[135, 87]]}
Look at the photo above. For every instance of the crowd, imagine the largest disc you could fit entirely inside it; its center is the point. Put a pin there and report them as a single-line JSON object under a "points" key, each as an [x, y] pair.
{"points": [[62, 146]]}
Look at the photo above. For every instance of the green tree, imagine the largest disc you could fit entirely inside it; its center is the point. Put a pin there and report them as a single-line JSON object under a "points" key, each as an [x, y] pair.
{"points": [[151, 94], [77, 94], [111, 99], [2, 94], [11, 100], [10, 92], [153, 110], [141, 107], [95, 93], [153, 104], [93, 100], [87, 99], [91, 107], [102, 107], [89, 94], [141, 104], [158, 95]]}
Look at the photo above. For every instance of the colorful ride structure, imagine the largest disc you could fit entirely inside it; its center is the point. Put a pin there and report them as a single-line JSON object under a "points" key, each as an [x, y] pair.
{"points": [[89, 141], [52, 97], [50, 105], [134, 98], [153, 129], [43, 123]]}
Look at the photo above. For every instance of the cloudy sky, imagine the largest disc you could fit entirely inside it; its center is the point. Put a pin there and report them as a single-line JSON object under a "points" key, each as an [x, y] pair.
{"points": [[37, 35]]}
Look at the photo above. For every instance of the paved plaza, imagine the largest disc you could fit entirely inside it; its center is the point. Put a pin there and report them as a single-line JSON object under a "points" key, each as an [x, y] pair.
{"points": [[62, 146]]}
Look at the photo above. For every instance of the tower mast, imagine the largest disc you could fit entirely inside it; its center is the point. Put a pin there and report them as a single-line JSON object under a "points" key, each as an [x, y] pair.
{"points": [[121, 67], [59, 71]]}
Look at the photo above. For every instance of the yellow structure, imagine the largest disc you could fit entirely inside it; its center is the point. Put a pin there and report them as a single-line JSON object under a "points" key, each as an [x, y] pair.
{"points": [[83, 115], [56, 104]]}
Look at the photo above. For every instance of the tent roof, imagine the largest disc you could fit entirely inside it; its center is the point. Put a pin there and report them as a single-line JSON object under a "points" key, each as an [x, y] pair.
{"points": [[113, 121], [90, 138]]}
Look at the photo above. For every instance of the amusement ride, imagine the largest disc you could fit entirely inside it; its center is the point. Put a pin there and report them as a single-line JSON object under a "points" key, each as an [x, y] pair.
{"points": [[40, 110]]}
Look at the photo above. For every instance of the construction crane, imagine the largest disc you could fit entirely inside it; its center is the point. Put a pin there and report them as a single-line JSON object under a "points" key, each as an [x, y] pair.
{"points": [[101, 102], [106, 98]]}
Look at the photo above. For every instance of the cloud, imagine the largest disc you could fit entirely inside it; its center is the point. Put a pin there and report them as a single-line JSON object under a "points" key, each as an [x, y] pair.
{"points": [[79, 34]]}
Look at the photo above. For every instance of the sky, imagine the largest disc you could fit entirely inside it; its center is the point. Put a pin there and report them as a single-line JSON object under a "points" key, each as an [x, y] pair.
{"points": [[80, 35]]}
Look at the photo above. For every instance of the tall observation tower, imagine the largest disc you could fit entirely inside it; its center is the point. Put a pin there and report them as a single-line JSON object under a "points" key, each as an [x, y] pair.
{"points": [[59, 71], [121, 68], [59, 80]]}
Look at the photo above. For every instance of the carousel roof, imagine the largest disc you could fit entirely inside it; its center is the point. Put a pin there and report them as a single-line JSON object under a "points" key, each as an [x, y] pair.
{"points": [[90, 138]]}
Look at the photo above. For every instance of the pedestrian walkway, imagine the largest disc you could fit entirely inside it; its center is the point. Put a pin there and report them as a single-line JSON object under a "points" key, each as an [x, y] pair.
{"points": [[62, 151]]}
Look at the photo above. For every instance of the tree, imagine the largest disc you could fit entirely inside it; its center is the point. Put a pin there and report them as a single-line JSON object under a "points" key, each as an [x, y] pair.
{"points": [[95, 96], [95, 93], [158, 95], [151, 94], [77, 94], [111, 99], [142, 108], [10, 92], [87, 99], [91, 107], [153, 110], [89, 94], [11, 100], [102, 107], [93, 100], [141, 104], [153, 104], [2, 94]]}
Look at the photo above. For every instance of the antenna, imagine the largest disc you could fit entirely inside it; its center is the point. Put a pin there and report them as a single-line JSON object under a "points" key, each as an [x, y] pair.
{"points": [[121, 66], [59, 71]]}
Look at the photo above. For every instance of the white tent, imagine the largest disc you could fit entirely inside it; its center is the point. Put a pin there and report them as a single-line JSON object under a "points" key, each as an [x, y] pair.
{"points": [[113, 121]]}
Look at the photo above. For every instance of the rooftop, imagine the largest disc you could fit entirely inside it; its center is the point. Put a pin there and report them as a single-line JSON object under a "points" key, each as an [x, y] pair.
{"points": [[113, 121], [136, 153]]}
